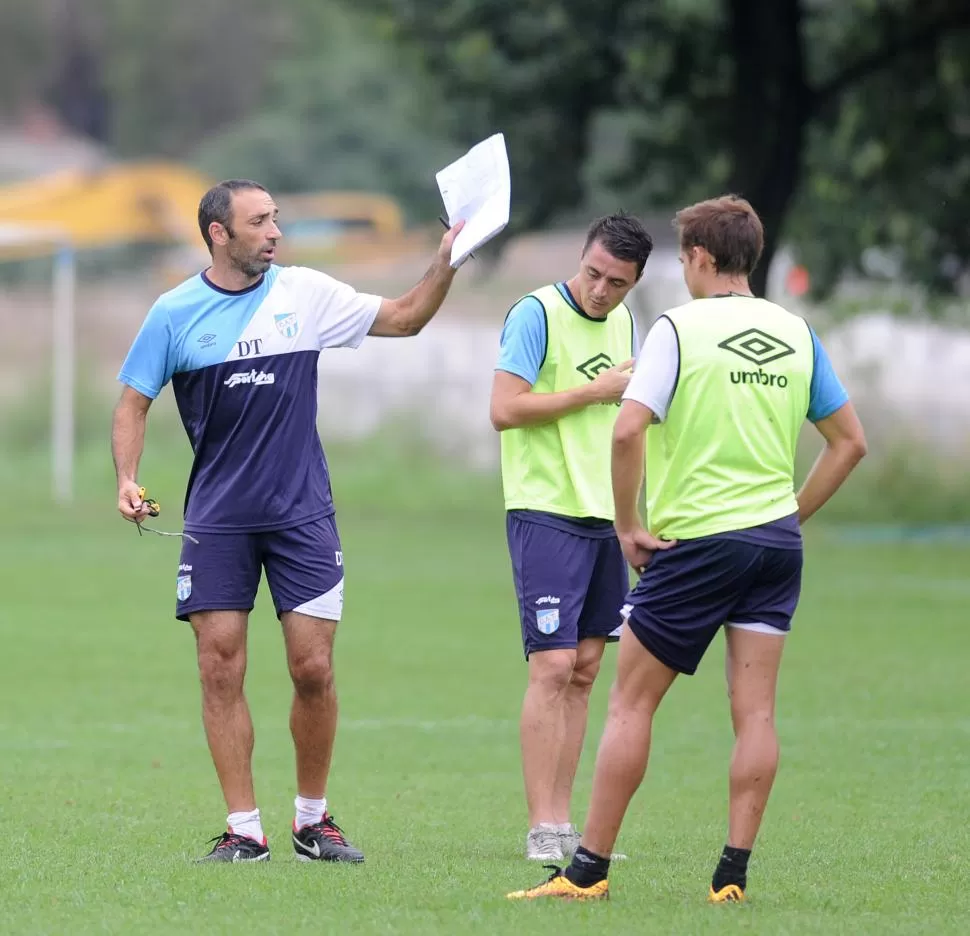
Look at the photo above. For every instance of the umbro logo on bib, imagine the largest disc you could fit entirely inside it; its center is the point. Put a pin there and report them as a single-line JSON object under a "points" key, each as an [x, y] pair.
{"points": [[757, 346], [595, 366]]}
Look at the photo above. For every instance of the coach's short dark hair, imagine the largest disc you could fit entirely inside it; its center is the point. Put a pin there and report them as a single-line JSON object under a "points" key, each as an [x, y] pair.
{"points": [[622, 236], [728, 228], [216, 205]]}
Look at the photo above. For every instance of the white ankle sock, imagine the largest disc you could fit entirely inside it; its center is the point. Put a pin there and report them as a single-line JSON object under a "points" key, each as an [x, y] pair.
{"points": [[309, 810], [248, 824]]}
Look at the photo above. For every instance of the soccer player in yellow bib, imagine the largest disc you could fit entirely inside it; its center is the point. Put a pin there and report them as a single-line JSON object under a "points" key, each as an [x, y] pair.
{"points": [[724, 384], [564, 363]]}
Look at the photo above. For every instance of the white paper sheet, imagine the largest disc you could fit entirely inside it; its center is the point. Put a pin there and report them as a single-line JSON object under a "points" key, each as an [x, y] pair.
{"points": [[476, 189]]}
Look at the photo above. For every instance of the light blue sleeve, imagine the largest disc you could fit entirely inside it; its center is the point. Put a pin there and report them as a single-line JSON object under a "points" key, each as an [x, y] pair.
{"points": [[151, 361], [827, 393], [524, 340]]}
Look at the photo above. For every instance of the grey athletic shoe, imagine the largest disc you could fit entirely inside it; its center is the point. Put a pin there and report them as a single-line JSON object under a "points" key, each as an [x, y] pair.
{"points": [[569, 839], [543, 843]]}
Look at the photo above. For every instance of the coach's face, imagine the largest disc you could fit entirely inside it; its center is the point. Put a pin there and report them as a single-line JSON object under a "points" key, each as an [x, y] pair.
{"points": [[253, 232], [603, 280]]}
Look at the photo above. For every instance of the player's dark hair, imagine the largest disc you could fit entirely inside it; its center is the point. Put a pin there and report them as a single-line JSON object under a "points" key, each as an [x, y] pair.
{"points": [[621, 236], [728, 228], [216, 205]]}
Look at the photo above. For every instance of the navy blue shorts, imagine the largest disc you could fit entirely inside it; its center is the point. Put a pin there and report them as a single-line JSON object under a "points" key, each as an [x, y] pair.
{"points": [[304, 571], [570, 587], [688, 592]]}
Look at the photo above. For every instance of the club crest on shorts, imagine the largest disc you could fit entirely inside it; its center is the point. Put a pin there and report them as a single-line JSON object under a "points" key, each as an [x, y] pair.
{"points": [[183, 587], [548, 621], [287, 324]]}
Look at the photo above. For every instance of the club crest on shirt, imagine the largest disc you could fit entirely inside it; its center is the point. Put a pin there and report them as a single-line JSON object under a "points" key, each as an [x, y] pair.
{"points": [[548, 621], [287, 324], [183, 587]]}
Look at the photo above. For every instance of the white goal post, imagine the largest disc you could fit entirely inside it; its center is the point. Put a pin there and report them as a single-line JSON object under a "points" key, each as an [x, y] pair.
{"points": [[63, 287]]}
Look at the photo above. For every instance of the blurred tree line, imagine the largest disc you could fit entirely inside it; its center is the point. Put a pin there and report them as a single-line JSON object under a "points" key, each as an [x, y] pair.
{"points": [[300, 94], [846, 122]]}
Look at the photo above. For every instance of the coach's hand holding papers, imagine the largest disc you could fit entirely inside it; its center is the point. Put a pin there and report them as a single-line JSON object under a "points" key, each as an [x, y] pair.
{"points": [[476, 189]]}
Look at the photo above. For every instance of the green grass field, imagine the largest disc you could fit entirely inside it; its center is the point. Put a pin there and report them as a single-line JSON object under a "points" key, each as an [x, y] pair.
{"points": [[108, 793]]}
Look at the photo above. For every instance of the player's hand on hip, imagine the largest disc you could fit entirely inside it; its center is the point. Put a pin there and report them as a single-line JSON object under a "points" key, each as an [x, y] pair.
{"points": [[130, 503], [608, 386], [448, 240], [639, 547]]}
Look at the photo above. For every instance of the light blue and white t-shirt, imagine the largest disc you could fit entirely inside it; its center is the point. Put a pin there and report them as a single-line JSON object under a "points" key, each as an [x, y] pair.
{"points": [[243, 367]]}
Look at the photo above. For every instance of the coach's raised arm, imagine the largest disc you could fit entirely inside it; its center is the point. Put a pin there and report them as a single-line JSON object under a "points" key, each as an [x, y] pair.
{"points": [[408, 314]]}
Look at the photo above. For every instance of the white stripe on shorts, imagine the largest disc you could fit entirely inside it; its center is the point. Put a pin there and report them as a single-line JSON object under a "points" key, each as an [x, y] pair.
{"points": [[759, 629], [328, 606]]}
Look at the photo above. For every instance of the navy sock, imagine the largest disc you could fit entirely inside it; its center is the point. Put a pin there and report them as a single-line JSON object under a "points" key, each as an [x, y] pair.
{"points": [[587, 869], [732, 868]]}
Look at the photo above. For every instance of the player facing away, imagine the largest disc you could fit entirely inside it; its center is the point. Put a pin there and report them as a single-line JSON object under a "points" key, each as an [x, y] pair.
{"points": [[721, 390], [240, 343], [566, 353]]}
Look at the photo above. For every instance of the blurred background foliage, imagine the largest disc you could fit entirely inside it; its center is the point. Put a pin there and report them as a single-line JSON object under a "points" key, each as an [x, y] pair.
{"points": [[846, 122]]}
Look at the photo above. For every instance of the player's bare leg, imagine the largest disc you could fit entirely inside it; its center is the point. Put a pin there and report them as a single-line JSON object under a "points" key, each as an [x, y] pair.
{"points": [[313, 723], [221, 645], [753, 660], [542, 736], [589, 654], [751, 665], [640, 685], [313, 716]]}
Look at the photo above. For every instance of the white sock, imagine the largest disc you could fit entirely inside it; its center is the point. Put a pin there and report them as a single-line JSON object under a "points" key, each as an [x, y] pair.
{"points": [[248, 824], [309, 811]]}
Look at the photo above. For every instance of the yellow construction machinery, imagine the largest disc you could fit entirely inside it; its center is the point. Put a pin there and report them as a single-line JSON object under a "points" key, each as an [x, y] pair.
{"points": [[157, 203]]}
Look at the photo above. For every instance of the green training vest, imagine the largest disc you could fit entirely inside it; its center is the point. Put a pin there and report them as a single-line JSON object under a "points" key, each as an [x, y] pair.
{"points": [[563, 467], [724, 458]]}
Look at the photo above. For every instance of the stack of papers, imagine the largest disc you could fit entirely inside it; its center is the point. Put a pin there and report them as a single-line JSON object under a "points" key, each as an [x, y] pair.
{"points": [[476, 189]]}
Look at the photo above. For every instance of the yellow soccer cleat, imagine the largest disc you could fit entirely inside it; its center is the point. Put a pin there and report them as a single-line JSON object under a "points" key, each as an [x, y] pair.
{"points": [[730, 893], [560, 886]]}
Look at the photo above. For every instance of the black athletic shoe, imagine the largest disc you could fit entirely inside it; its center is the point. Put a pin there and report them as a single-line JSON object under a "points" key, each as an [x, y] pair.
{"points": [[324, 841], [232, 847]]}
